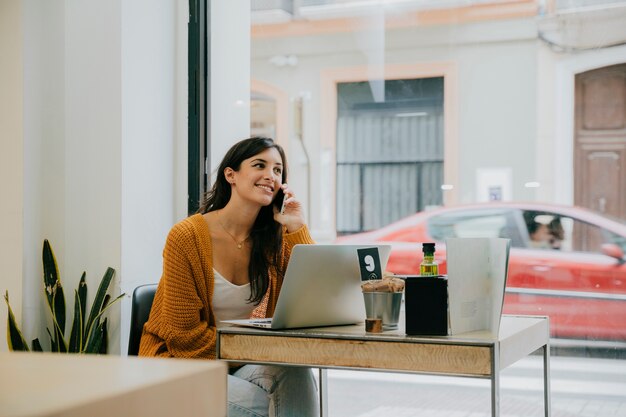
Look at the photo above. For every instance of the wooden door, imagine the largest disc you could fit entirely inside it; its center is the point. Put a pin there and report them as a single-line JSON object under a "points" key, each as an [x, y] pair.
{"points": [[600, 140]]}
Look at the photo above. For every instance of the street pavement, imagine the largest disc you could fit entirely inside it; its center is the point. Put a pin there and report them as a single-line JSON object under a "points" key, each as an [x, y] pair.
{"points": [[585, 387]]}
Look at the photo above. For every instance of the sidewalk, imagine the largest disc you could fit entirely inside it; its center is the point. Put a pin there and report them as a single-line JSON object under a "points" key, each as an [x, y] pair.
{"points": [[580, 388]]}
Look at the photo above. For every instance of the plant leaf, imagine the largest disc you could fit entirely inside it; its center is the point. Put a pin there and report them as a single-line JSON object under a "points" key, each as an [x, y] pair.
{"points": [[54, 290], [107, 298], [96, 324], [105, 304], [95, 339], [59, 309], [105, 338], [76, 335], [59, 335], [82, 295], [15, 339], [37, 346], [50, 271], [98, 301], [53, 346], [57, 342]]}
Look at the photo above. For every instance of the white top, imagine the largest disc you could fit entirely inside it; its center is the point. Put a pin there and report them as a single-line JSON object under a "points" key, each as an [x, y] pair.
{"points": [[230, 301]]}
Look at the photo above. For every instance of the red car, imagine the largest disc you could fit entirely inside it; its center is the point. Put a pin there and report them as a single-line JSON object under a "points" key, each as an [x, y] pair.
{"points": [[565, 262]]}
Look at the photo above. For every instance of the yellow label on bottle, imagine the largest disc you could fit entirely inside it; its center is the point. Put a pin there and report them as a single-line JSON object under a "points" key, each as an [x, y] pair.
{"points": [[429, 269]]}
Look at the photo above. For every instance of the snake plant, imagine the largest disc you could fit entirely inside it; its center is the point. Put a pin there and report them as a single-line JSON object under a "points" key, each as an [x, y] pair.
{"points": [[88, 334]]}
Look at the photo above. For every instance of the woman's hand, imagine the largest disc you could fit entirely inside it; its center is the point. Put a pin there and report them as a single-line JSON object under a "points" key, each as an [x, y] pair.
{"points": [[292, 216]]}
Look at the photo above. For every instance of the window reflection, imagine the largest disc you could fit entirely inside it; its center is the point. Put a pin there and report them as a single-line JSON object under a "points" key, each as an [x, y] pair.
{"points": [[420, 105]]}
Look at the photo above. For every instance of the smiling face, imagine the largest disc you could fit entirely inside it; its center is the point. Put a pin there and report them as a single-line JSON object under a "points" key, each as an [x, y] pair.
{"points": [[258, 178]]}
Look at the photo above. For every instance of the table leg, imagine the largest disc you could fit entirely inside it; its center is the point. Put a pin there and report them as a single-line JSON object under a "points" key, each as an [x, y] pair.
{"points": [[495, 381], [323, 387], [546, 379]]}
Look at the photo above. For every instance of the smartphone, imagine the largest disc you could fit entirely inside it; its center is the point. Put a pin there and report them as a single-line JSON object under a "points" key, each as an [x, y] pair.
{"points": [[282, 207]]}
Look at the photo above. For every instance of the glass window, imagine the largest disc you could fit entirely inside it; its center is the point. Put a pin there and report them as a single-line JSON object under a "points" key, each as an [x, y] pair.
{"points": [[412, 120]]}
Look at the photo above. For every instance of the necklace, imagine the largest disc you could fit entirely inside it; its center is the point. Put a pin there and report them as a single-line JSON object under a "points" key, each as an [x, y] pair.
{"points": [[238, 243]]}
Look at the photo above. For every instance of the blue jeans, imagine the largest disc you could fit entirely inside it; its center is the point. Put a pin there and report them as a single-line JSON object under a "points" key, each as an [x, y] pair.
{"points": [[272, 391]]}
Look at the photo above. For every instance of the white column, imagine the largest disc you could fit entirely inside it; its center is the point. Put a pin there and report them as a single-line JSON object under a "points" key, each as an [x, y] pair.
{"points": [[150, 141], [229, 66], [11, 159]]}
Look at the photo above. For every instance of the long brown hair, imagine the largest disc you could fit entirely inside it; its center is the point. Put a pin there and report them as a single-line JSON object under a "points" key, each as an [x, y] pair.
{"points": [[266, 234]]}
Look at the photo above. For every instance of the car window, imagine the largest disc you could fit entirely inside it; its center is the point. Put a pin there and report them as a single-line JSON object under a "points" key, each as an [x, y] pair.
{"points": [[589, 238], [617, 239], [551, 231], [475, 223]]}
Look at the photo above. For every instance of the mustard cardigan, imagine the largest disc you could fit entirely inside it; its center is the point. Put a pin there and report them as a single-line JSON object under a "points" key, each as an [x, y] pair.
{"points": [[182, 323]]}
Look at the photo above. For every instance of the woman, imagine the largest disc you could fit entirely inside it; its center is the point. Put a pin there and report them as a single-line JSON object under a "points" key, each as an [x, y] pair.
{"points": [[227, 262], [539, 235]]}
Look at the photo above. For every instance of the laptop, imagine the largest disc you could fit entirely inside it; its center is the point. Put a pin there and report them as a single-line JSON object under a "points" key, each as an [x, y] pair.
{"points": [[322, 287]]}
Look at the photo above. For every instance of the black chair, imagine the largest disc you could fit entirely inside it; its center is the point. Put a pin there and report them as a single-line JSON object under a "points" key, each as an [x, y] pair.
{"points": [[140, 311]]}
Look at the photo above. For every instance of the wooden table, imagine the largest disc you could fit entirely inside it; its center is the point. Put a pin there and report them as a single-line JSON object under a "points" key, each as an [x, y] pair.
{"points": [[475, 354], [70, 385]]}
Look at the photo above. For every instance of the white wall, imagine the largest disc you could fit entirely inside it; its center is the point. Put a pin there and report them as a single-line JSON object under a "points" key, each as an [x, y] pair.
{"points": [[497, 114], [44, 155], [102, 140], [11, 159]]}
